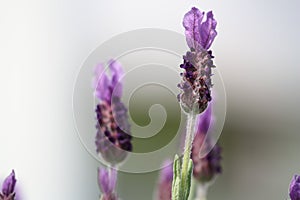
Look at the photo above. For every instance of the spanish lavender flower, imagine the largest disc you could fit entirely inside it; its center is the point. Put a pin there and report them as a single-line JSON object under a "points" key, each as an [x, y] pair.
{"points": [[205, 168], [196, 89], [295, 188], [107, 180], [197, 63], [165, 182], [112, 139], [8, 187]]}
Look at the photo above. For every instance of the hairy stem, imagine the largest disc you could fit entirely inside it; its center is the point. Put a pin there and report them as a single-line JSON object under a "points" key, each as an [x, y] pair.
{"points": [[190, 132]]}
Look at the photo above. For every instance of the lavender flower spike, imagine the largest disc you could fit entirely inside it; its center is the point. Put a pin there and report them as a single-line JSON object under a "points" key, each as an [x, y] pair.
{"points": [[295, 188], [107, 180], [112, 139], [8, 188], [207, 167], [196, 79], [165, 182]]}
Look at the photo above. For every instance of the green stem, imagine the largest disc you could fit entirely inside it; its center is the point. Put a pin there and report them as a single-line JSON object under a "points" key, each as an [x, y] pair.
{"points": [[190, 132]]}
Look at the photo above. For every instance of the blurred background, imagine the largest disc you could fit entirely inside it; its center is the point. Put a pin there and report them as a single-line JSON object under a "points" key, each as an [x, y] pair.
{"points": [[44, 44]]}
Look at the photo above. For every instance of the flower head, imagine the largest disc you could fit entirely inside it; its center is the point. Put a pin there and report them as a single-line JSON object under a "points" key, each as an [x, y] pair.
{"points": [[112, 139], [199, 34], [196, 79], [107, 180], [8, 187], [165, 182], [206, 167], [295, 188]]}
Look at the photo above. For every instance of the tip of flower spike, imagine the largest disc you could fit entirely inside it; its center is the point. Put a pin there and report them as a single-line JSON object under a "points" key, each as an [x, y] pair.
{"points": [[9, 184], [108, 85], [199, 35]]}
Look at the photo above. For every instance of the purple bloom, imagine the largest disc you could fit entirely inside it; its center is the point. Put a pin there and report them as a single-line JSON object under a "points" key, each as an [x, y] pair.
{"points": [[165, 182], [295, 188], [107, 180], [106, 88], [8, 187], [205, 168], [197, 63], [199, 35], [113, 139]]}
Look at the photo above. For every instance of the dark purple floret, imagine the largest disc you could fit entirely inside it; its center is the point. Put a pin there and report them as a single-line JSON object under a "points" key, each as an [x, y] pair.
{"points": [[196, 81], [295, 188]]}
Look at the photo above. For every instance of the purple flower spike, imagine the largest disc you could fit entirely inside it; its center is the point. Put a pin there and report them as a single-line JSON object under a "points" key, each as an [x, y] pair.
{"points": [[8, 188], [295, 188], [113, 138], [165, 182], [197, 63], [205, 168], [107, 182]]}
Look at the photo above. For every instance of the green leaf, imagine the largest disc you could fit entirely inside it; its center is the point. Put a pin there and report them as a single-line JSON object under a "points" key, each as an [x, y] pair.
{"points": [[187, 184], [176, 189]]}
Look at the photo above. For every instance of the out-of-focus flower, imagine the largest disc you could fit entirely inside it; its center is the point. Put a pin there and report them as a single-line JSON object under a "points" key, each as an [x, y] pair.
{"points": [[206, 167], [295, 188], [107, 180], [196, 79], [113, 139], [8, 187], [165, 182], [199, 34]]}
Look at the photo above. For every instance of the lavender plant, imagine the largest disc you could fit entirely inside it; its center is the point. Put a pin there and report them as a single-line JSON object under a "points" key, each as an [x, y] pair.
{"points": [[196, 90], [8, 187], [112, 138]]}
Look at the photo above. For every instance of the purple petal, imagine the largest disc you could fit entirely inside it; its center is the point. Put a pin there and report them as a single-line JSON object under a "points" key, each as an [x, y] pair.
{"points": [[116, 75], [295, 188], [113, 180], [101, 83], [204, 121], [107, 180], [208, 31], [191, 22], [165, 182], [167, 172], [9, 184], [103, 180]]}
